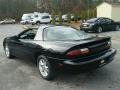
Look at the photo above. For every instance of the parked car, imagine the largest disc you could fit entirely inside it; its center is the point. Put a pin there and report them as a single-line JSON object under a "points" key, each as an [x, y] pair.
{"points": [[52, 48], [26, 18], [99, 25], [72, 17], [8, 21], [26, 21], [56, 18], [41, 18], [65, 17]]}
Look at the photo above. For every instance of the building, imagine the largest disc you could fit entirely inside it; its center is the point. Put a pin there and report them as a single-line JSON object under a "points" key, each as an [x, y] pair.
{"points": [[110, 10]]}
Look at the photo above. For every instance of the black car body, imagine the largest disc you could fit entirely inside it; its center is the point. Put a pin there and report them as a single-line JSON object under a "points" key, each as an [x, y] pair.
{"points": [[60, 47], [100, 24]]}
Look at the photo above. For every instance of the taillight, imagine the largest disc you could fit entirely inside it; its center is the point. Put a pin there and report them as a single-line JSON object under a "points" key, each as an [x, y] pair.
{"points": [[78, 52]]}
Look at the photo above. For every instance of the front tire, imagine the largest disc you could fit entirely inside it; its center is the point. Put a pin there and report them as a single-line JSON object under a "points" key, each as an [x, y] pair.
{"points": [[45, 68], [99, 29], [7, 51]]}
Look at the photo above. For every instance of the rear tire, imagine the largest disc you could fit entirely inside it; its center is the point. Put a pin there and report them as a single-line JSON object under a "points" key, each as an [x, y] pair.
{"points": [[26, 22], [117, 27], [45, 68], [38, 23], [99, 29], [86, 31]]}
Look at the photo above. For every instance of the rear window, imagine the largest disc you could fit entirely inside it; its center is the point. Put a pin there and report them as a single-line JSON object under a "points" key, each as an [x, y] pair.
{"points": [[61, 33]]}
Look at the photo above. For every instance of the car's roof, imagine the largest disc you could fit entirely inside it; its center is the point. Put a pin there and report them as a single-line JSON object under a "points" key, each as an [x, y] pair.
{"points": [[30, 27], [41, 28], [45, 26], [103, 18], [97, 18]]}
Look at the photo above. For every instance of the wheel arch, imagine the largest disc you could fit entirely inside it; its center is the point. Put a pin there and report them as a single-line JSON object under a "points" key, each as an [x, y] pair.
{"points": [[4, 42], [38, 21], [37, 54]]}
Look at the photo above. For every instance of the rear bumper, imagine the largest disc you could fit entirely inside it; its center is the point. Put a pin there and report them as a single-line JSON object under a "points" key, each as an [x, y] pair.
{"points": [[107, 57], [98, 60]]}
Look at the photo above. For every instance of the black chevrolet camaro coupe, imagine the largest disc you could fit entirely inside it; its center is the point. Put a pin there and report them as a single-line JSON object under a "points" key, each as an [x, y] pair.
{"points": [[53, 47], [99, 25]]}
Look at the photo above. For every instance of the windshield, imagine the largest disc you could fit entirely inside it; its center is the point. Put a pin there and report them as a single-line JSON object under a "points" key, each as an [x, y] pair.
{"points": [[92, 20], [62, 33]]}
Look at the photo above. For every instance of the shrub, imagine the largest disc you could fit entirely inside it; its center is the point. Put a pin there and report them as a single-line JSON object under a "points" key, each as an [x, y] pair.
{"points": [[53, 17], [69, 18], [60, 18]]}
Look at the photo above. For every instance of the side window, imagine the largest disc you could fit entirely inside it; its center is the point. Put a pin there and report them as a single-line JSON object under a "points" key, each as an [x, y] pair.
{"points": [[45, 17], [36, 16], [102, 20], [108, 20], [30, 34], [98, 21]]}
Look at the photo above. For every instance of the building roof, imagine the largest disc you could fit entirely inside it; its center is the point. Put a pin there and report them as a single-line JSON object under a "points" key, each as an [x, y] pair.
{"points": [[114, 4], [111, 3]]}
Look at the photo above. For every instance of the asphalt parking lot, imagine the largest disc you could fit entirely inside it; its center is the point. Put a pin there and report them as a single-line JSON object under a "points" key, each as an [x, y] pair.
{"points": [[17, 74]]}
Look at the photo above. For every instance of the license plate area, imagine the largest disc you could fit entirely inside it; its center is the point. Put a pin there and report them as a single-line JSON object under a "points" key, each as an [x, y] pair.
{"points": [[102, 63]]}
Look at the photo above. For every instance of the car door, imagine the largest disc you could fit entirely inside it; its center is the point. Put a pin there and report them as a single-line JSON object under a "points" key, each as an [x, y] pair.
{"points": [[7, 21], [110, 24], [105, 23], [24, 47], [102, 23]]}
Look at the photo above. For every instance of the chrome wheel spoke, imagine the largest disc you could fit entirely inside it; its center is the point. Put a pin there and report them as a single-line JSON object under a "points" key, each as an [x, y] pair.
{"points": [[7, 52], [43, 68], [41, 63], [46, 68]]}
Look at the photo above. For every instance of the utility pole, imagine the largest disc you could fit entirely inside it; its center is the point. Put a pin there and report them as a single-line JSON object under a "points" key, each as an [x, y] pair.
{"points": [[37, 4], [7, 6], [88, 11]]}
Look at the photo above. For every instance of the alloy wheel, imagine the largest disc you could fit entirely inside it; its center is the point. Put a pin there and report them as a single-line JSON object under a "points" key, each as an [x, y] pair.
{"points": [[38, 23], [43, 67], [99, 30], [7, 51]]}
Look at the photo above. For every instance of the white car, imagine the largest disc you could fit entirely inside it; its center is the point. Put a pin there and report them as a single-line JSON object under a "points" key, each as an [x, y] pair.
{"points": [[26, 21], [72, 17], [8, 21], [41, 19], [65, 17], [26, 18]]}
